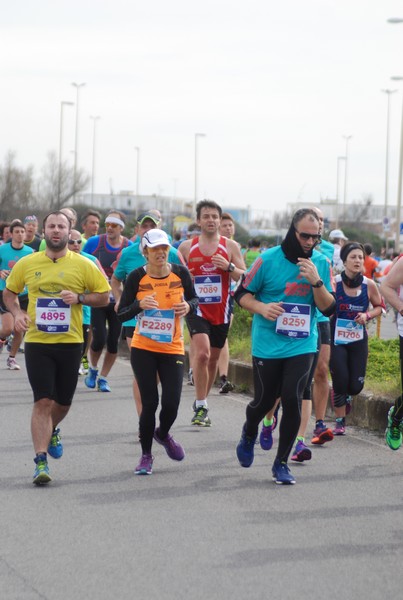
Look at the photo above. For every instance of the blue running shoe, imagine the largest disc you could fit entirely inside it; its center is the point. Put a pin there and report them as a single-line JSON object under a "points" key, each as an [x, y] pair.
{"points": [[245, 450], [145, 466], [301, 452], [103, 385], [55, 448], [266, 436], [91, 379], [41, 474], [281, 473]]}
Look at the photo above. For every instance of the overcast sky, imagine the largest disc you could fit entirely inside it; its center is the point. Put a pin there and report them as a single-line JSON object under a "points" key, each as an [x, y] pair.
{"points": [[274, 86]]}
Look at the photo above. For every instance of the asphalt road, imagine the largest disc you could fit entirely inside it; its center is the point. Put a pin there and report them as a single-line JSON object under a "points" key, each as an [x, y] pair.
{"points": [[205, 528]]}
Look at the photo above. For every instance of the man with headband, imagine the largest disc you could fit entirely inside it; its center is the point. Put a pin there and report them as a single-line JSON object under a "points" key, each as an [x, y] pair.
{"points": [[106, 248]]}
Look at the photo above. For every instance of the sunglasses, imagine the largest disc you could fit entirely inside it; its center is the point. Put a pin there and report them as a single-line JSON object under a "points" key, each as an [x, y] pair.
{"points": [[113, 225], [306, 236], [75, 242]]}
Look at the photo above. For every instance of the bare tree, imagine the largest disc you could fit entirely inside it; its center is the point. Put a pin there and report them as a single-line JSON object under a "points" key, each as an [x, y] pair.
{"points": [[16, 189], [56, 185]]}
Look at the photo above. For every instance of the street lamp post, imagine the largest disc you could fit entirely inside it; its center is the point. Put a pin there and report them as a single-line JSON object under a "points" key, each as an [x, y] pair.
{"points": [[95, 119], [339, 159], [388, 92], [137, 149], [197, 136], [77, 86], [59, 183], [396, 20], [347, 138]]}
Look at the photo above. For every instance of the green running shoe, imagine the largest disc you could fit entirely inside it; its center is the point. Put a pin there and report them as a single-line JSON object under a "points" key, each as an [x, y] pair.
{"points": [[201, 418], [393, 432], [41, 474]]}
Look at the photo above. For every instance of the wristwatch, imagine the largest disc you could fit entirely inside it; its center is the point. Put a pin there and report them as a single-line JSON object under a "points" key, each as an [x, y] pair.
{"points": [[81, 298], [231, 267], [318, 284]]}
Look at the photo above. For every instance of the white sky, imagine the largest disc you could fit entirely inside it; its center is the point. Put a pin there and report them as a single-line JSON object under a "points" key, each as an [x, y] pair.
{"points": [[273, 85]]}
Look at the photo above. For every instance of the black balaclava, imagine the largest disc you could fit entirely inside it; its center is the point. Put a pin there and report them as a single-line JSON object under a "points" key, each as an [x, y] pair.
{"points": [[292, 248]]}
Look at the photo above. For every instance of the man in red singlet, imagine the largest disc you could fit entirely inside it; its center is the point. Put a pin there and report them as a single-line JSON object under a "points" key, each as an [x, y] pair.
{"points": [[213, 260]]}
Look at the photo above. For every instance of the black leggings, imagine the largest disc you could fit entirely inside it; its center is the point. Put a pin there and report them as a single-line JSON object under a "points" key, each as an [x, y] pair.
{"points": [[100, 336], [146, 366], [274, 377], [348, 363]]}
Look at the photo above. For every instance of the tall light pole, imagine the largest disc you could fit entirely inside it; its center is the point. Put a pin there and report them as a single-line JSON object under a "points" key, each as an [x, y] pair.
{"points": [[396, 20], [137, 149], [347, 138], [95, 119], [388, 92], [77, 86], [339, 159], [197, 136], [59, 183]]}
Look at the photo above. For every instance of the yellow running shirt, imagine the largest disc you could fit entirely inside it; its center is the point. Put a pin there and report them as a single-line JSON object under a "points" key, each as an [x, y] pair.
{"points": [[53, 321]]}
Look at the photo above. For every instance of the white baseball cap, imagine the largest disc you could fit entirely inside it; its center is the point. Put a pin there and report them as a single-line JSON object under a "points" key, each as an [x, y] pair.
{"points": [[153, 238], [337, 234]]}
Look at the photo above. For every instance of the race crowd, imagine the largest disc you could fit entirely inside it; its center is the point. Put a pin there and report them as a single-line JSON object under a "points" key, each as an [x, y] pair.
{"points": [[70, 295]]}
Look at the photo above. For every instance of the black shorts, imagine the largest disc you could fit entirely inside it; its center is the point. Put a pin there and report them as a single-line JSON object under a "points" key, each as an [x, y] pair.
{"points": [[23, 303], [53, 370], [127, 332], [217, 333], [324, 336]]}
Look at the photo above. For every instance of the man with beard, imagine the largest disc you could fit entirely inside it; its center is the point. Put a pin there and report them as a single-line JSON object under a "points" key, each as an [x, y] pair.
{"points": [[282, 290], [59, 282]]}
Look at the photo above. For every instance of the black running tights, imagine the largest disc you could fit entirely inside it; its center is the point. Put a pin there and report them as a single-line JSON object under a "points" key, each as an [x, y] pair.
{"points": [[285, 377], [146, 367]]}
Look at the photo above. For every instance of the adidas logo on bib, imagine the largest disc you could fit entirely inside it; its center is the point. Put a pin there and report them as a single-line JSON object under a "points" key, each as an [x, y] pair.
{"points": [[295, 310], [53, 303]]}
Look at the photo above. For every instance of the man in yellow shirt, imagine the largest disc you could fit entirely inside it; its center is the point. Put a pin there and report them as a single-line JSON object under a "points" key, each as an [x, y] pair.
{"points": [[59, 282]]}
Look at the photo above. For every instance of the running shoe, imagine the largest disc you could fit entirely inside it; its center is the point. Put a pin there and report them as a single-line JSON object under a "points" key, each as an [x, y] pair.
{"points": [[91, 379], [245, 450], [393, 432], [55, 448], [281, 473], [266, 436], [103, 385], [173, 449], [340, 427], [301, 452], [225, 387], [321, 434], [12, 364], [84, 364], [201, 417], [145, 466], [190, 377], [41, 473]]}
